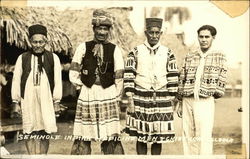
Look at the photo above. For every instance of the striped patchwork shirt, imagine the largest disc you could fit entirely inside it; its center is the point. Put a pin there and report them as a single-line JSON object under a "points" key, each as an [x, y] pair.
{"points": [[213, 79], [151, 67]]}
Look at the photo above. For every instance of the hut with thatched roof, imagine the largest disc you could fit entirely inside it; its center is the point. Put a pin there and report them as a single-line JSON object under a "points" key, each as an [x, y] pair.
{"points": [[77, 24], [14, 31]]}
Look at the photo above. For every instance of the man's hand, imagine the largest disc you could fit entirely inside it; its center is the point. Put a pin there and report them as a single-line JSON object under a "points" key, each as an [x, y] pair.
{"points": [[217, 95], [175, 103], [179, 109], [59, 108], [78, 90], [15, 110], [131, 106], [119, 88]]}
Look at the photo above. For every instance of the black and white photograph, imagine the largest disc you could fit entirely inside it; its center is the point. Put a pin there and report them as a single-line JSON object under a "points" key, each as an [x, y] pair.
{"points": [[124, 79]]}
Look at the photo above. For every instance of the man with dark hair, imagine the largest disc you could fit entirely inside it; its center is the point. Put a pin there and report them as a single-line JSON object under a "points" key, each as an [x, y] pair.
{"points": [[151, 82], [37, 87], [202, 79], [97, 70], [210, 28]]}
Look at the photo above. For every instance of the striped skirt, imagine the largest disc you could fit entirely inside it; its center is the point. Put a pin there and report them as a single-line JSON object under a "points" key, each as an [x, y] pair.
{"points": [[152, 120], [97, 113]]}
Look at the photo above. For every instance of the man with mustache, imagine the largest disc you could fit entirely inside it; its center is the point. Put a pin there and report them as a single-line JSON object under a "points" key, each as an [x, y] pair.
{"points": [[37, 88], [202, 79], [97, 71], [151, 82]]}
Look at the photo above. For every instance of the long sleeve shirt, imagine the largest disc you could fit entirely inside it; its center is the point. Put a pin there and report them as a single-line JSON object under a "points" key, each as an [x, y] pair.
{"points": [[213, 78], [37, 105], [75, 73], [16, 89], [151, 67]]}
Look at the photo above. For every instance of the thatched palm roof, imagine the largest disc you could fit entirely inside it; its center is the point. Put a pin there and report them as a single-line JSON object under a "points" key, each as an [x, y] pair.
{"points": [[77, 24], [16, 21]]}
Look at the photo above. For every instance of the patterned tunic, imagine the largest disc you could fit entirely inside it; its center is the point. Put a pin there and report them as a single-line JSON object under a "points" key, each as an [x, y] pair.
{"points": [[213, 79], [97, 112], [151, 77]]}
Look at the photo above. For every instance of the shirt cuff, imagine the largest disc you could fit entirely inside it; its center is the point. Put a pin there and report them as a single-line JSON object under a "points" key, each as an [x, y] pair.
{"points": [[15, 101], [56, 101]]}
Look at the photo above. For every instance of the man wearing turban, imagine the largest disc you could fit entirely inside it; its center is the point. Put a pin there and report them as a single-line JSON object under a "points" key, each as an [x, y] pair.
{"points": [[150, 83], [37, 90], [97, 71]]}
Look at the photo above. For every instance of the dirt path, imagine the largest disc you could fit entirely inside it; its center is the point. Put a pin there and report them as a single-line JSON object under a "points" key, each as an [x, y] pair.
{"points": [[227, 125]]}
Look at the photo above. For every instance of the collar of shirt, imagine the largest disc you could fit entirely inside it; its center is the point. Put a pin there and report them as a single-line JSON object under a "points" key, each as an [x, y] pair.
{"points": [[202, 54], [152, 49]]}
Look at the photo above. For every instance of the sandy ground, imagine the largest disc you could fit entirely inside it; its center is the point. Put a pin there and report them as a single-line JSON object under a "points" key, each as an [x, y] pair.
{"points": [[227, 126]]}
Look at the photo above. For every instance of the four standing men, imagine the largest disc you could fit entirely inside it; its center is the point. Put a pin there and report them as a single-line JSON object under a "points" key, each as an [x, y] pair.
{"points": [[202, 79], [37, 87], [150, 83]]}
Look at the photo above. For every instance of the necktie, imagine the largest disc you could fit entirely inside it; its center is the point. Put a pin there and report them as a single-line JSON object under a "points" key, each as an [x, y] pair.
{"points": [[40, 64], [40, 60], [98, 52]]}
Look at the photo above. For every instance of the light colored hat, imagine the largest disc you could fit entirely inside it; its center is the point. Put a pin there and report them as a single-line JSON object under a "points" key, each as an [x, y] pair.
{"points": [[153, 22], [101, 17]]}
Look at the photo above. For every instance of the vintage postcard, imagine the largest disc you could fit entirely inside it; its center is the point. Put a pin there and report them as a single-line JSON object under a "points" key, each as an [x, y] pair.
{"points": [[91, 42]]}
